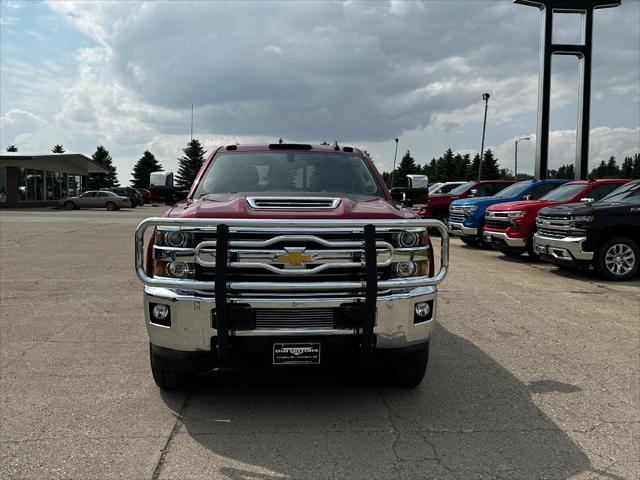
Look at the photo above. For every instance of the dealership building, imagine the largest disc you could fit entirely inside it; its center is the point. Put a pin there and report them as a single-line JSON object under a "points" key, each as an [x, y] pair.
{"points": [[43, 180]]}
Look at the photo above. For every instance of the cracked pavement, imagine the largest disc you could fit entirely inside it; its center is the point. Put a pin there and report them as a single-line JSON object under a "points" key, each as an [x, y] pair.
{"points": [[534, 374]]}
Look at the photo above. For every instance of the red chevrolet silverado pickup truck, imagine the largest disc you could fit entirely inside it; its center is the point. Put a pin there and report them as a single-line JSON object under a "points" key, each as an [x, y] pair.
{"points": [[288, 255], [438, 204], [509, 227]]}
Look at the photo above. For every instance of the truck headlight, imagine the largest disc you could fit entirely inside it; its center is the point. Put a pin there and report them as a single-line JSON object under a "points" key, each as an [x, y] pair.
{"points": [[518, 214], [177, 238], [578, 220], [411, 239]]}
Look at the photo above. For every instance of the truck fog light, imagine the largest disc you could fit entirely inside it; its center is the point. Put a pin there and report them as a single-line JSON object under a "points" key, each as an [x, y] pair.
{"points": [[177, 269], [406, 269], [161, 312], [423, 309]]}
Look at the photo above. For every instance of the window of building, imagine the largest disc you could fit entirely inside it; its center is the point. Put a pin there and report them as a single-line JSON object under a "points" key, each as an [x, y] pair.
{"points": [[37, 185]]}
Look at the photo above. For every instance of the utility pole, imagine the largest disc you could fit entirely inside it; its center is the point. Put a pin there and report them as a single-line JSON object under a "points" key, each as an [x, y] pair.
{"points": [[485, 97], [395, 156], [515, 160]]}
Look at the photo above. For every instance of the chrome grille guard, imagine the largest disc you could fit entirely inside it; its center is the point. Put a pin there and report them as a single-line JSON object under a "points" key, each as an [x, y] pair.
{"points": [[299, 229]]}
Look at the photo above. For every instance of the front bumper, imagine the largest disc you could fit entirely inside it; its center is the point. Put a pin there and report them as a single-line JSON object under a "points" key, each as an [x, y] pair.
{"points": [[192, 327], [501, 238], [458, 229], [565, 249]]}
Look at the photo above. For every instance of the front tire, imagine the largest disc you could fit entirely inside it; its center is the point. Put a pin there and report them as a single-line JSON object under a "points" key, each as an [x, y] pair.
{"points": [[69, 205], [111, 206], [167, 379], [617, 259], [407, 370]]}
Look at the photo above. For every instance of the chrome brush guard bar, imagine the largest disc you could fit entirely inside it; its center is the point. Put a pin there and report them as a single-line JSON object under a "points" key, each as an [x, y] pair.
{"points": [[302, 230]]}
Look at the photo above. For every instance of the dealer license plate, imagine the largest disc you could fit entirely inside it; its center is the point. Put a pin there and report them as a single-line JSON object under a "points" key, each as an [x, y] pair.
{"points": [[296, 353]]}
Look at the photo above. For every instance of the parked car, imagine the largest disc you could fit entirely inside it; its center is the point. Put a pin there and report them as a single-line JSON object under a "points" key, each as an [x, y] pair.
{"points": [[438, 204], [604, 235], [445, 187], [131, 193], [145, 195], [466, 216], [96, 199], [509, 227], [276, 258]]}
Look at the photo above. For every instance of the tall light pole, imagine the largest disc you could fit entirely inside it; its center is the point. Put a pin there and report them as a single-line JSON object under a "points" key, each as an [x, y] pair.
{"points": [[515, 160], [485, 97], [395, 156]]}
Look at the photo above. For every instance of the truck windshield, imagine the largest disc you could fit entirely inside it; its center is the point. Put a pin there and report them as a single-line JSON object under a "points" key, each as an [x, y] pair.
{"points": [[287, 172], [514, 190], [628, 193], [462, 188], [565, 192]]}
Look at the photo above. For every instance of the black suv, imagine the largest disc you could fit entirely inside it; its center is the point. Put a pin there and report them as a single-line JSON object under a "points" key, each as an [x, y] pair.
{"points": [[131, 193], [603, 234]]}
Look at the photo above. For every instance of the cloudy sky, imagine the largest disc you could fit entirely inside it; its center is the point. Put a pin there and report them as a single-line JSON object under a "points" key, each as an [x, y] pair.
{"points": [[124, 74]]}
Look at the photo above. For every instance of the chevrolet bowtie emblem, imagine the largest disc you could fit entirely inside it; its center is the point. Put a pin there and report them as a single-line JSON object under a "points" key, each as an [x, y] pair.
{"points": [[294, 257]]}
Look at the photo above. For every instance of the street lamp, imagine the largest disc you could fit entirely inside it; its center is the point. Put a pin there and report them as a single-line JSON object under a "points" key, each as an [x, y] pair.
{"points": [[485, 97], [395, 155], [515, 162]]}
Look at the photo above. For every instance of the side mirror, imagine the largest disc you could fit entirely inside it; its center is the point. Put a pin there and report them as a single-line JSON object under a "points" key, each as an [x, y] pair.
{"points": [[417, 181], [586, 199], [526, 197], [473, 192], [399, 196]]}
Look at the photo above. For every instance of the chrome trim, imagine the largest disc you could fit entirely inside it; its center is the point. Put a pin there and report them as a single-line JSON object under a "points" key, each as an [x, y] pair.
{"points": [[276, 226], [509, 241], [297, 203], [458, 229], [567, 248]]}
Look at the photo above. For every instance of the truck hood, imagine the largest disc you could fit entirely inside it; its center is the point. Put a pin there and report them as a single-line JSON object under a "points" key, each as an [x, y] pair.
{"points": [[595, 208], [234, 205], [482, 202], [528, 205]]}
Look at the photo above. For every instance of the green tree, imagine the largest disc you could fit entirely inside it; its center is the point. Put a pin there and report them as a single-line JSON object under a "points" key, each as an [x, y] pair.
{"points": [[102, 180], [636, 166], [613, 171], [189, 164], [463, 162], [490, 170], [445, 167], [565, 172], [626, 171], [58, 149], [600, 171], [12, 148], [143, 169], [407, 166], [472, 171]]}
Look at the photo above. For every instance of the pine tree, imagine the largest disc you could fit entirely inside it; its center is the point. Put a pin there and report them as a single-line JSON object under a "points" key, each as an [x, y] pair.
{"points": [[613, 170], [143, 169], [472, 171], [407, 166], [600, 171], [490, 170], [12, 148], [58, 149], [189, 164], [463, 163], [102, 180], [626, 171], [636, 166], [565, 172]]}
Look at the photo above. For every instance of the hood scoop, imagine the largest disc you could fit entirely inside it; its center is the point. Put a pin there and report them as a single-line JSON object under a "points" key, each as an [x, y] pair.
{"points": [[293, 203]]}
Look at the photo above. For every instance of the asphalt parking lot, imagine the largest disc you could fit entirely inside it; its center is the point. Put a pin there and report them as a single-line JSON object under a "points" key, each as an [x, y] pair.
{"points": [[534, 374]]}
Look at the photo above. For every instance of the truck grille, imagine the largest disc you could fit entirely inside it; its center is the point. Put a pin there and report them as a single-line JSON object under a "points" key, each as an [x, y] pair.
{"points": [[557, 227], [280, 203], [456, 214], [268, 318]]}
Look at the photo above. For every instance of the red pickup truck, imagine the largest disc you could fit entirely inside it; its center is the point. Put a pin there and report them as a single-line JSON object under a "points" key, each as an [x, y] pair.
{"points": [[509, 227], [438, 204]]}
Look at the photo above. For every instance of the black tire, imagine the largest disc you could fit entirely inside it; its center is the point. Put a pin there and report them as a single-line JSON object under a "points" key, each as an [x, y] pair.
{"points": [[407, 370], [111, 206], [472, 242], [170, 380], [69, 205], [533, 255], [617, 259], [512, 253]]}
